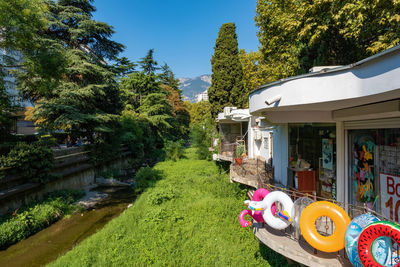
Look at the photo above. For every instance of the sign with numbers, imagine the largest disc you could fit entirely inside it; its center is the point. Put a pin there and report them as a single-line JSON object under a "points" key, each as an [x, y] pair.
{"points": [[390, 196]]}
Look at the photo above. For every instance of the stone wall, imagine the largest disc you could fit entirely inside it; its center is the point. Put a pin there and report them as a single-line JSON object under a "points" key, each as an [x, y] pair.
{"points": [[74, 169]]}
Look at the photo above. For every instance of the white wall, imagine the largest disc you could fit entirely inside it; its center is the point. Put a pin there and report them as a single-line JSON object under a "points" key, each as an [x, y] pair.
{"points": [[257, 147], [280, 156]]}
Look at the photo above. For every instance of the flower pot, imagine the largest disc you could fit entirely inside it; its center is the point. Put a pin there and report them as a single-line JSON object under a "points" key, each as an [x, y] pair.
{"points": [[238, 161]]}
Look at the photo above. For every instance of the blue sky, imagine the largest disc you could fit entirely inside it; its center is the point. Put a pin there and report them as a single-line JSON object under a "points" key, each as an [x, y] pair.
{"points": [[182, 32]]}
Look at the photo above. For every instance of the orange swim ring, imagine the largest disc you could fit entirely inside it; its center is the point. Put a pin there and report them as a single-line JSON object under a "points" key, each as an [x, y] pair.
{"points": [[311, 213]]}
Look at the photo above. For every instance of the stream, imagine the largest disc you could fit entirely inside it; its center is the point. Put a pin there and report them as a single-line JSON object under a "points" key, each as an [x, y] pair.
{"points": [[57, 239]]}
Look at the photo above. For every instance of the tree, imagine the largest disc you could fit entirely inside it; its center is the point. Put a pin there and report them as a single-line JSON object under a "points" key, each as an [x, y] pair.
{"points": [[148, 64], [199, 112], [297, 35], [167, 77], [256, 71], [180, 114], [136, 86], [78, 93], [20, 21], [226, 83]]}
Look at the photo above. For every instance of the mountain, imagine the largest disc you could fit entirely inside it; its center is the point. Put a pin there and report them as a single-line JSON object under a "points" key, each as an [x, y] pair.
{"points": [[192, 86]]}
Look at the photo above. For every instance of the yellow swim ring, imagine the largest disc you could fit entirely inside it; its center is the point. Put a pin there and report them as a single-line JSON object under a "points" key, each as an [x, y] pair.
{"points": [[311, 213]]}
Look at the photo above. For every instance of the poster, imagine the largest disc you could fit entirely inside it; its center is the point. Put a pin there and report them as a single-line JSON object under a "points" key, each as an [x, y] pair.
{"points": [[390, 196], [327, 154]]}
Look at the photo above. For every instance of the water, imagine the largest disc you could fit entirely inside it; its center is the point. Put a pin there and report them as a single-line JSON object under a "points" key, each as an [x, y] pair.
{"points": [[54, 241]]}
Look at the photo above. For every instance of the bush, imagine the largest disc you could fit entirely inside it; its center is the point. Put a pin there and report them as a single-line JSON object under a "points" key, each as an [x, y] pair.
{"points": [[201, 141], [36, 216], [146, 177], [33, 161], [174, 150]]}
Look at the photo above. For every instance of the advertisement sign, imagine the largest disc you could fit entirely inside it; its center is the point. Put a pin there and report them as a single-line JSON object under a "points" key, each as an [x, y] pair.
{"points": [[390, 196], [327, 154]]}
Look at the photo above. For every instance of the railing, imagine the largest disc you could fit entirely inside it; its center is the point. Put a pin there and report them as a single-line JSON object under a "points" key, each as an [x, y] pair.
{"points": [[324, 225], [256, 169], [228, 149]]}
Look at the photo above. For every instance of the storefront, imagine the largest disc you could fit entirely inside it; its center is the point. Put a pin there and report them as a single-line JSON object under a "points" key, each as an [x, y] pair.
{"points": [[312, 158], [374, 165], [344, 125]]}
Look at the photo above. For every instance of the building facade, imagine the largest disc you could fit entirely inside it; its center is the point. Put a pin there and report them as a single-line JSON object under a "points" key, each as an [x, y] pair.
{"points": [[342, 127]]}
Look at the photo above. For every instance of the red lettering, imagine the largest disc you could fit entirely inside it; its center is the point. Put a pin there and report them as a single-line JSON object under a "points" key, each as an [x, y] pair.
{"points": [[396, 211], [389, 204], [390, 185], [397, 190]]}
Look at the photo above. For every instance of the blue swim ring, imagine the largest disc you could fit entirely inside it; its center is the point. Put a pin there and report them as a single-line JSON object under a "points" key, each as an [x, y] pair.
{"points": [[382, 248]]}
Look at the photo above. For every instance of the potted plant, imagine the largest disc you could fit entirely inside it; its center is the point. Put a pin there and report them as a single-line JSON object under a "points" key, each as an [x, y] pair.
{"points": [[240, 149]]}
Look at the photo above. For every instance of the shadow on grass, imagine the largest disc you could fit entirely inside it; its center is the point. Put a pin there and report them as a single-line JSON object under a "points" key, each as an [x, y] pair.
{"points": [[274, 258], [146, 177], [223, 166]]}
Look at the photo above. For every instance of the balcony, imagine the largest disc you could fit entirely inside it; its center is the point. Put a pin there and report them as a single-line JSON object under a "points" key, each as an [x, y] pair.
{"points": [[252, 172]]}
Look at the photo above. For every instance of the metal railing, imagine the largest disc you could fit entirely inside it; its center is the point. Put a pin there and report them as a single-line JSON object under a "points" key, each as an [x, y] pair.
{"points": [[324, 225]]}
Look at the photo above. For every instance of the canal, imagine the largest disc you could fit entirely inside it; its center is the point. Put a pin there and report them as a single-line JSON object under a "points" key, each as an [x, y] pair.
{"points": [[54, 241]]}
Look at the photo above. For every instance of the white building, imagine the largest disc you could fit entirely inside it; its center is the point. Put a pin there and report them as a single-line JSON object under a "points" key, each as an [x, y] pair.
{"points": [[345, 123], [238, 126], [202, 96]]}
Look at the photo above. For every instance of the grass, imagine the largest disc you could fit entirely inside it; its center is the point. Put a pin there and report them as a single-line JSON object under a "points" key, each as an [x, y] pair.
{"points": [[36, 216], [188, 217]]}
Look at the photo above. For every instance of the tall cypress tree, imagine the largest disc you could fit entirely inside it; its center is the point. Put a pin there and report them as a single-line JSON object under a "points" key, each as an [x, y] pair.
{"points": [[226, 83]]}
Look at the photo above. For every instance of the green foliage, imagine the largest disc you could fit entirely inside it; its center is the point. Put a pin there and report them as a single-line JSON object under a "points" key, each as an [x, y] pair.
{"points": [[67, 76], [297, 35], [19, 22], [38, 215], [255, 71], [167, 77], [201, 141], [146, 177], [136, 86], [240, 149], [33, 161], [200, 112], [158, 196], [227, 74], [148, 64], [188, 218], [174, 150]]}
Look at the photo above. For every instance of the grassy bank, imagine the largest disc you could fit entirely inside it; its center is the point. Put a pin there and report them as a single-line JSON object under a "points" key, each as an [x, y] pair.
{"points": [[187, 217], [38, 215]]}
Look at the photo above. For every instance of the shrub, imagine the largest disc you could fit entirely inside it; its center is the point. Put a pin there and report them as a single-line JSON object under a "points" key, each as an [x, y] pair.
{"points": [[32, 161], [36, 216], [146, 177], [201, 141], [174, 150]]}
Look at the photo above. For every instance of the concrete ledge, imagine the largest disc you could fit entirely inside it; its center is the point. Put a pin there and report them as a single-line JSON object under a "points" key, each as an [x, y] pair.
{"points": [[297, 250], [247, 180], [14, 191]]}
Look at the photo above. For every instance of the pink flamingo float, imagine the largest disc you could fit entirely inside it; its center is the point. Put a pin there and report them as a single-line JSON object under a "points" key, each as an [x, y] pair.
{"points": [[259, 195]]}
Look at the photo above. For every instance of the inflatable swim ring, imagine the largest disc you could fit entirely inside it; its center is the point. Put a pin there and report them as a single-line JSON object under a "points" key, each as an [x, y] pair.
{"points": [[242, 221], [298, 207], [384, 245], [258, 195], [287, 203], [311, 213], [368, 237]]}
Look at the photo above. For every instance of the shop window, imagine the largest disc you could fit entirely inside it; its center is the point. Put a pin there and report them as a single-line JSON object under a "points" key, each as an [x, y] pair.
{"points": [[374, 170], [312, 148]]}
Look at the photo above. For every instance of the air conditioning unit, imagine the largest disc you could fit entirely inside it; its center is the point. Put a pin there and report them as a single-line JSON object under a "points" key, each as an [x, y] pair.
{"points": [[257, 135], [228, 111]]}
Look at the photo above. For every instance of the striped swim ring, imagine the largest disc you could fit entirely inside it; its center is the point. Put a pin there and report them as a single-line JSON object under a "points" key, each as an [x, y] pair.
{"points": [[368, 237]]}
